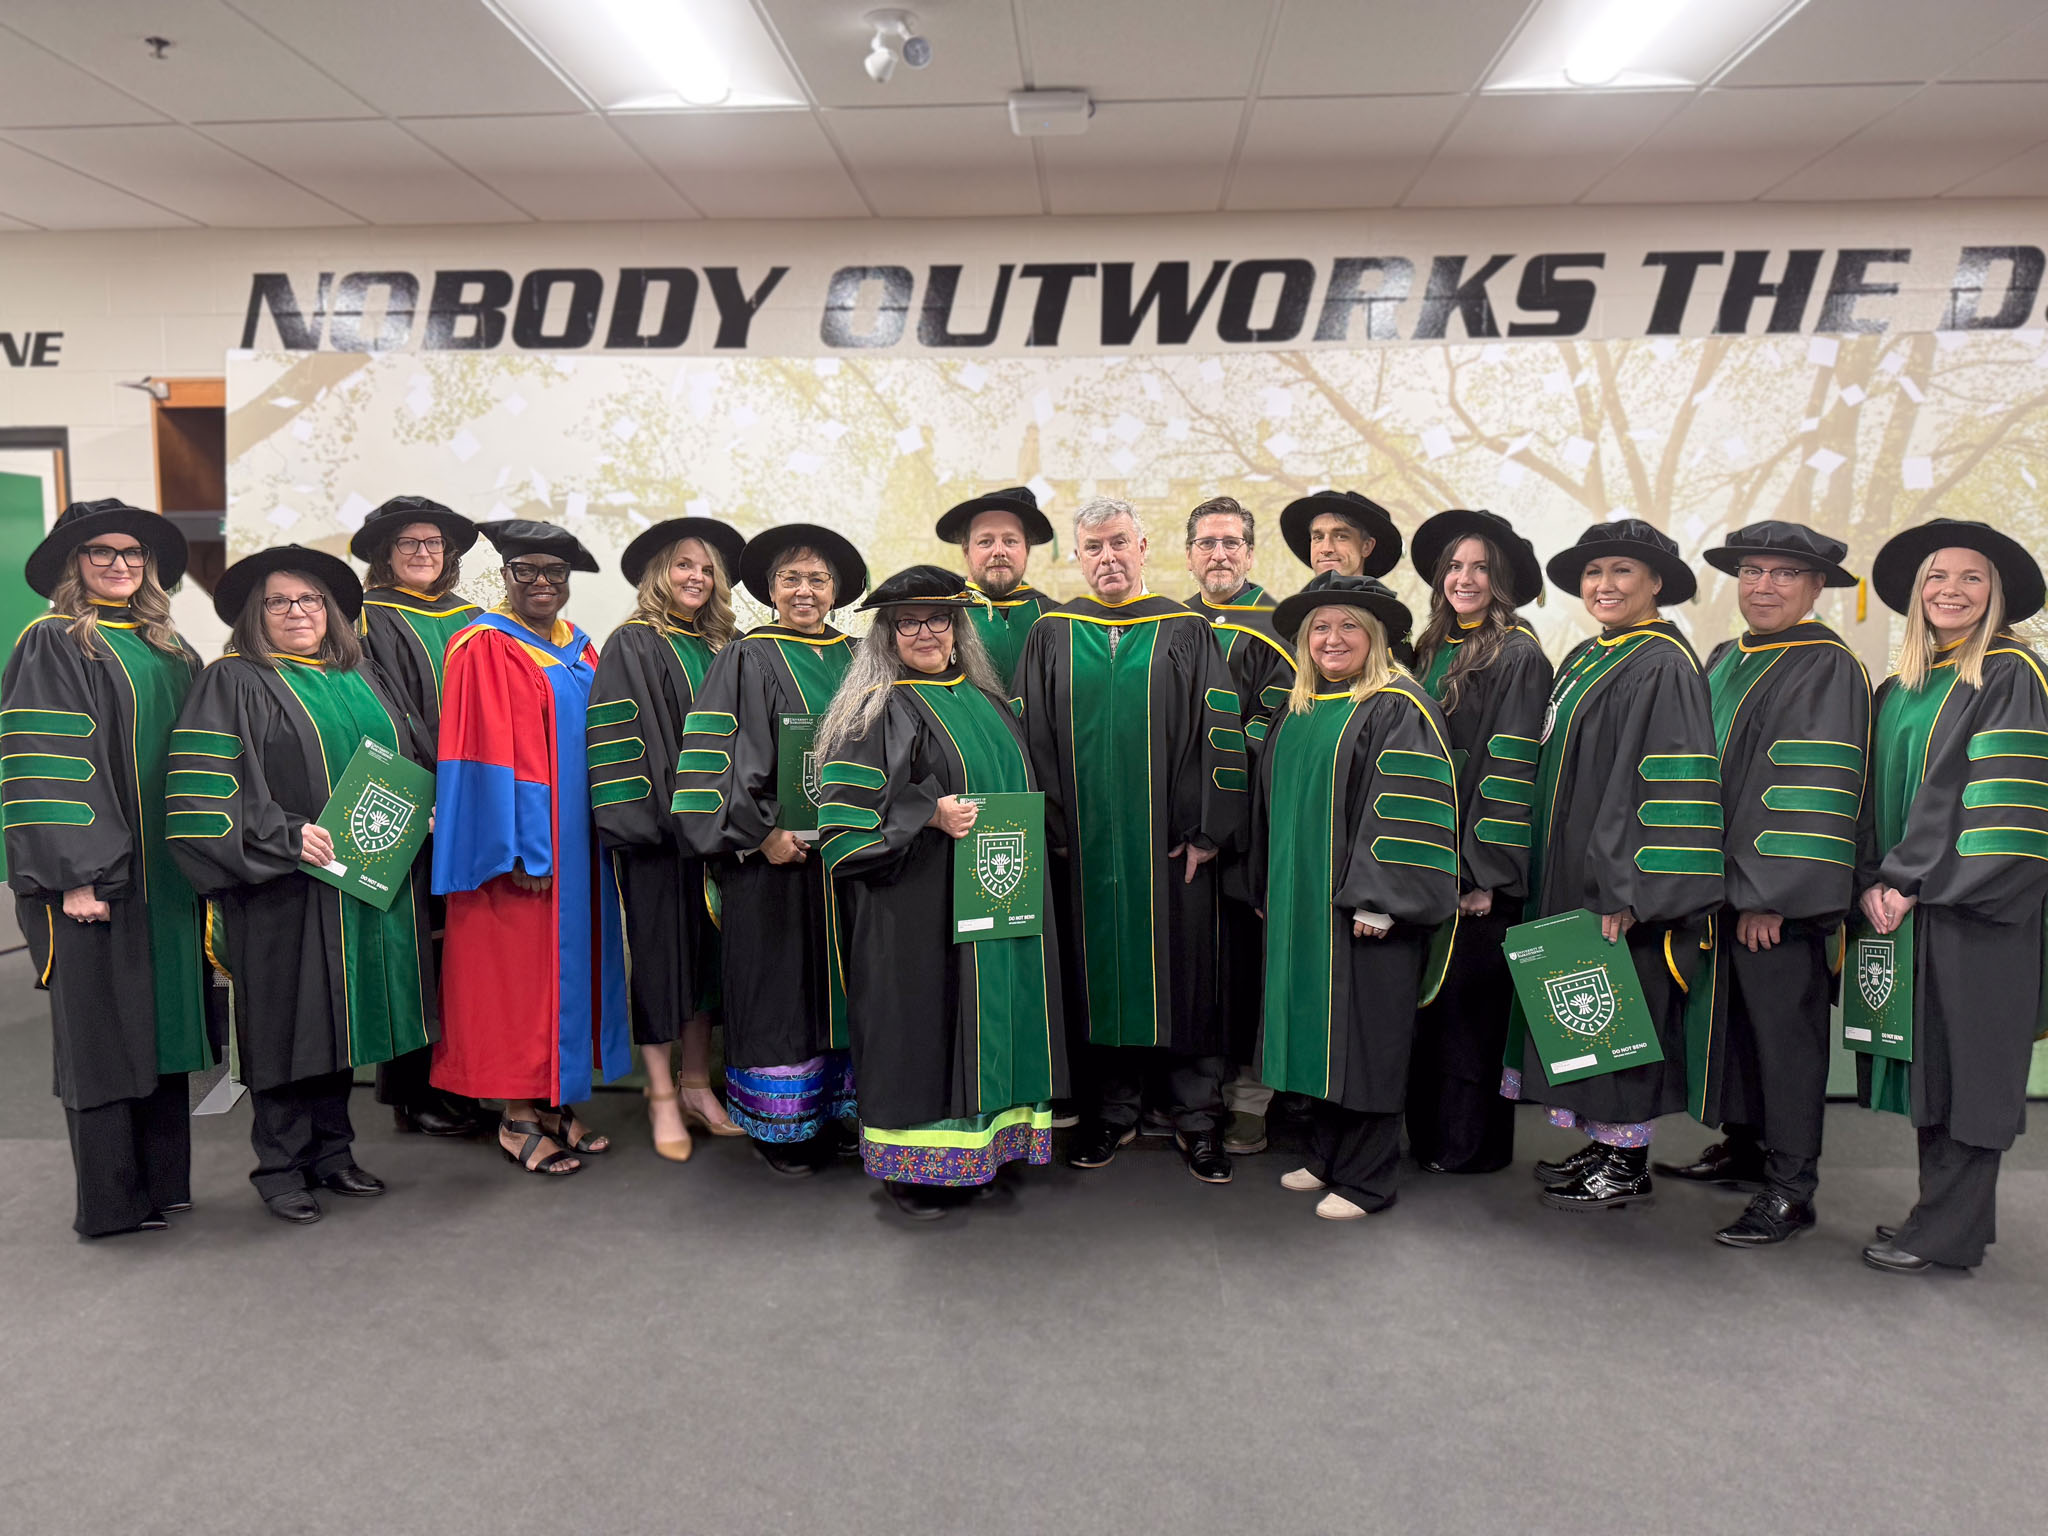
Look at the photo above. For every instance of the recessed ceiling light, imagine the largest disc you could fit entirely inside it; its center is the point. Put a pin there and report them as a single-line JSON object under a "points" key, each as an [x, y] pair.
{"points": [[655, 55], [1580, 45]]}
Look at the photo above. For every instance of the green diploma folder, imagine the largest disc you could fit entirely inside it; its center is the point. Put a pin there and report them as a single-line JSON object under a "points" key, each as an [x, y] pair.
{"points": [[999, 870], [1580, 995], [378, 818], [1877, 991], [796, 774]]}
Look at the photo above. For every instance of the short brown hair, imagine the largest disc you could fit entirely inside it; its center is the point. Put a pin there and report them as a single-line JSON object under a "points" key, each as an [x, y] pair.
{"points": [[1221, 506], [340, 649]]}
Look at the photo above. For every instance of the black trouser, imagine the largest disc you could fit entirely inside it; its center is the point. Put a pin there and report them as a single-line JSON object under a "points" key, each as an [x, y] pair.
{"points": [[402, 1081], [1779, 1040], [1956, 1217], [1111, 1086], [1356, 1152], [301, 1133], [133, 1158], [1456, 1116]]}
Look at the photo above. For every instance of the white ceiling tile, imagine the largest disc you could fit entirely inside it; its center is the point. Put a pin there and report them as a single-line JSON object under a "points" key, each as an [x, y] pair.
{"points": [[974, 54], [1512, 150], [1144, 157], [747, 165], [220, 67], [56, 197], [375, 169], [1946, 135], [450, 59], [1844, 41], [1139, 50], [39, 90], [2025, 175], [556, 168], [1356, 152], [1729, 146], [2022, 56], [179, 169], [944, 162], [1384, 47]]}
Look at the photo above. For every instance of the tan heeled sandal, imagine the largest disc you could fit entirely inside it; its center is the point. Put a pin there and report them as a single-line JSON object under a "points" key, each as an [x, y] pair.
{"points": [[719, 1127], [674, 1151]]}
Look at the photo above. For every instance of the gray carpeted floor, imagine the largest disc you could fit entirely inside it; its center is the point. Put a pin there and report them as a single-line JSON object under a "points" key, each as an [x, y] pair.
{"points": [[708, 1349]]}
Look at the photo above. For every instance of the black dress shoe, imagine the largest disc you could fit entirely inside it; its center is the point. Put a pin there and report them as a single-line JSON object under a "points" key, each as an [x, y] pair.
{"points": [[432, 1120], [837, 1142], [1770, 1218], [353, 1181], [153, 1222], [176, 1208], [1885, 1234], [1098, 1142], [294, 1205], [1204, 1154], [1895, 1261], [1567, 1169], [1722, 1165], [918, 1201], [1155, 1122], [793, 1160], [1620, 1178]]}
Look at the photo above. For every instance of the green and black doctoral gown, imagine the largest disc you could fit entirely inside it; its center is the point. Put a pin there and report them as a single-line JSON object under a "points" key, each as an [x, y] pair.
{"points": [[406, 633], [941, 1031], [781, 971], [1005, 622], [1355, 812], [85, 742], [1957, 817], [1628, 816], [321, 981], [1792, 728], [1135, 737], [647, 678]]}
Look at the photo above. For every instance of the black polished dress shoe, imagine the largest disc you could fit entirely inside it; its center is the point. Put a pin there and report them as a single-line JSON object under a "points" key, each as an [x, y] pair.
{"points": [[176, 1208], [1098, 1143], [1203, 1152], [1895, 1261], [793, 1160], [294, 1205], [1722, 1165], [353, 1181], [918, 1201], [1567, 1169], [1885, 1234], [432, 1120], [1770, 1218], [1620, 1178]]}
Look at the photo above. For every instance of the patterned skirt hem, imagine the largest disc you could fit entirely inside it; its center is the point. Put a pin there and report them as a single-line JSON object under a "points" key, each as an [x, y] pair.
{"points": [[957, 1166]]}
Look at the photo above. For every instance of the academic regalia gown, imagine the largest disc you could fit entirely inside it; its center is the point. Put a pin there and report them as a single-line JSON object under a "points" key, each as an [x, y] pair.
{"points": [[780, 972], [958, 1048], [1456, 1116], [1792, 724], [647, 679], [1627, 816], [534, 985], [85, 746], [1139, 746], [1004, 622]]}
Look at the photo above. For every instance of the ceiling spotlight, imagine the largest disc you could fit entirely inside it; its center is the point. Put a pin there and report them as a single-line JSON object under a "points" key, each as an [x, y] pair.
{"points": [[894, 30]]}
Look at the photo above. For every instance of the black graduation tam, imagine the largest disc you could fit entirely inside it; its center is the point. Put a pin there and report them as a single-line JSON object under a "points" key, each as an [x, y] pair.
{"points": [[84, 521], [1368, 517], [231, 593], [1329, 590], [1633, 539], [1018, 500], [1898, 562], [722, 537], [1521, 582], [383, 525], [1790, 541], [924, 584], [757, 560], [525, 536]]}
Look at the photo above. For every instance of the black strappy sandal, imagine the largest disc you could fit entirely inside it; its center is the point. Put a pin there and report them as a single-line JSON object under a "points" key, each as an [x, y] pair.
{"points": [[552, 1165], [565, 1121]]}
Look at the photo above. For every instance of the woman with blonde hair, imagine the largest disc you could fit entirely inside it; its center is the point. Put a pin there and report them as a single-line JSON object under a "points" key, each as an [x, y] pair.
{"points": [[1953, 863], [90, 697], [1354, 861], [647, 680]]}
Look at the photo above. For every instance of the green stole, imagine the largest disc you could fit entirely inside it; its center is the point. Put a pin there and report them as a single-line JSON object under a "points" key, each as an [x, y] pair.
{"points": [[693, 655], [158, 683], [1301, 882], [435, 627], [1003, 623], [1013, 1022], [816, 665], [1251, 596], [382, 981], [1729, 683]]}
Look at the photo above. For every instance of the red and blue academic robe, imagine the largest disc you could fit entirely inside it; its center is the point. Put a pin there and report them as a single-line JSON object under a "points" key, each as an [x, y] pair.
{"points": [[533, 983]]}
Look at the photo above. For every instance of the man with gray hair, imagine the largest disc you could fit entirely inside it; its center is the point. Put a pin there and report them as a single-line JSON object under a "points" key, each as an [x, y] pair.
{"points": [[1135, 736]]}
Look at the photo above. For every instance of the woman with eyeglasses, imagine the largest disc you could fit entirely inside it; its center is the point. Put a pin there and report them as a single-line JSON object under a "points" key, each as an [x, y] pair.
{"points": [[533, 985], [322, 983], [414, 550], [746, 804], [87, 707], [959, 1049], [647, 678]]}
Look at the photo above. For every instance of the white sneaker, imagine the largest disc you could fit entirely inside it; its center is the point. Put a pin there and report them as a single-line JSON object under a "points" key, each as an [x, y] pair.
{"points": [[1336, 1208], [1301, 1181]]}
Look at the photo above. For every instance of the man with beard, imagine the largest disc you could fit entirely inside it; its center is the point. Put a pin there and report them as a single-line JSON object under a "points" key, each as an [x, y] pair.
{"points": [[995, 532]]}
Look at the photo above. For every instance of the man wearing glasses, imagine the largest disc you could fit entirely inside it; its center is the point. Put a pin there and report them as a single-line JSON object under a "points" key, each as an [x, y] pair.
{"points": [[1792, 722]]}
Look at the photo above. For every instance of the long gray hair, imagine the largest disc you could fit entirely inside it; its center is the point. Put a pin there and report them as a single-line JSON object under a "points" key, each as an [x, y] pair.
{"points": [[864, 691]]}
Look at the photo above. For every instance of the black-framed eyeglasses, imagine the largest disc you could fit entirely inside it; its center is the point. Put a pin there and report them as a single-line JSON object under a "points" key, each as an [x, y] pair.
{"points": [[278, 605], [1228, 545], [103, 556], [407, 546], [555, 573], [1776, 575], [937, 624]]}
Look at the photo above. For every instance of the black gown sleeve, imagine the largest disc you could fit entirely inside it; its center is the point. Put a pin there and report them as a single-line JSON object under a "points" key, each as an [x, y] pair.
{"points": [[724, 800], [1497, 788], [65, 823], [1403, 813], [222, 825], [880, 791], [630, 744], [1211, 788]]}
